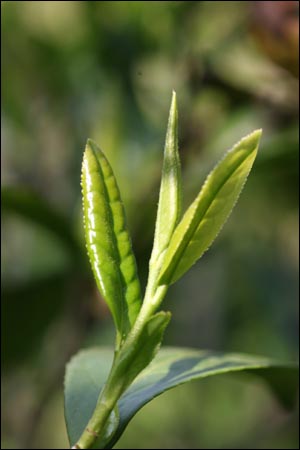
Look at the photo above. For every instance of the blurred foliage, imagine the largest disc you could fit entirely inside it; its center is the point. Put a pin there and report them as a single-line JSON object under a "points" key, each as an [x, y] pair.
{"points": [[105, 70]]}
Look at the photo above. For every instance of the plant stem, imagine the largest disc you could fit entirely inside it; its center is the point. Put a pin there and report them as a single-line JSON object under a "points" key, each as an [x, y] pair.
{"points": [[116, 383], [113, 389], [108, 398]]}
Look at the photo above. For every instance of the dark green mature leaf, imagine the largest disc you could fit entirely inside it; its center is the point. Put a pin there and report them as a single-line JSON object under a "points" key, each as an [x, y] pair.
{"points": [[108, 240], [85, 376], [87, 372], [207, 214]]}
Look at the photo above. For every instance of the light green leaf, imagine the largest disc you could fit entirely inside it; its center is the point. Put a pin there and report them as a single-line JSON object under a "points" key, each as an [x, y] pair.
{"points": [[108, 241], [207, 214], [136, 356], [169, 205], [88, 370]]}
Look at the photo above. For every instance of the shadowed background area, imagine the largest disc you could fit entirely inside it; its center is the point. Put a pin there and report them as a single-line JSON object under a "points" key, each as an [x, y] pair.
{"points": [[106, 70]]}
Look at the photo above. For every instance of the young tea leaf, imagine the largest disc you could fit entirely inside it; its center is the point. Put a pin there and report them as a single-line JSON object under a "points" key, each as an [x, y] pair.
{"points": [[108, 241], [207, 214], [169, 205], [139, 355]]}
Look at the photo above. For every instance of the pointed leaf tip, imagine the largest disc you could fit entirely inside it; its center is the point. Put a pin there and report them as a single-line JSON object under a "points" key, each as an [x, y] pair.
{"points": [[252, 140], [172, 113], [90, 144], [169, 205], [207, 214]]}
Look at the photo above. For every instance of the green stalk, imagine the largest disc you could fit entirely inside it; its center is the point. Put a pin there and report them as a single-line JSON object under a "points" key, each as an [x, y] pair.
{"points": [[117, 381], [112, 391]]}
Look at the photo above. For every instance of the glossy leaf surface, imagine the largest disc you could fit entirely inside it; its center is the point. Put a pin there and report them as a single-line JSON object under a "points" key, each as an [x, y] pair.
{"points": [[209, 211], [108, 241], [87, 372]]}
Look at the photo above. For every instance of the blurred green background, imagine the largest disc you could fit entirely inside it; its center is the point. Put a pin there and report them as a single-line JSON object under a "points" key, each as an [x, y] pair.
{"points": [[105, 70]]}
